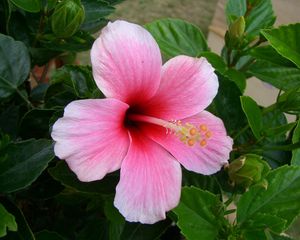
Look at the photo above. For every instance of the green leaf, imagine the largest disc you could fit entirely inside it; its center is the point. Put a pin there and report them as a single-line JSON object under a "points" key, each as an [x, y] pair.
{"points": [[198, 214], [5, 12], [227, 105], [47, 235], [24, 232], [280, 130], [95, 13], [253, 114], [268, 53], [281, 198], [28, 5], [78, 78], [285, 41], [14, 65], [80, 41], [63, 174], [7, 221], [177, 37], [137, 231], [235, 9], [21, 163], [260, 16], [9, 120], [281, 77], [237, 77], [215, 60], [35, 123], [296, 153]]}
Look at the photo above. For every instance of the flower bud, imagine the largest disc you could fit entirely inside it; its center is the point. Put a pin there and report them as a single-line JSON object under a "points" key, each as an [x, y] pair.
{"points": [[237, 28], [67, 17], [247, 170]]}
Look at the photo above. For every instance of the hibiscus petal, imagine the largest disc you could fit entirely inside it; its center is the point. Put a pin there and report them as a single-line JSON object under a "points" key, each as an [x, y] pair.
{"points": [[206, 159], [126, 62], [150, 182], [91, 137], [187, 87]]}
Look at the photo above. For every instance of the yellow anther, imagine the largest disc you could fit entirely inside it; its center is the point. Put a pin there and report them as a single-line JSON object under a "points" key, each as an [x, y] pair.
{"points": [[193, 131], [208, 134], [203, 127], [191, 142], [203, 143]]}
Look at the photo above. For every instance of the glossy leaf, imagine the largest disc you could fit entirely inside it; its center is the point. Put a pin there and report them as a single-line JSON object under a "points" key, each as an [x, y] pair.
{"points": [[215, 60], [235, 9], [28, 5], [260, 16], [198, 214], [237, 77], [95, 13], [63, 174], [78, 78], [253, 114], [21, 163], [282, 182], [281, 77], [177, 37], [227, 105], [285, 41], [14, 65], [296, 153], [7, 221]]}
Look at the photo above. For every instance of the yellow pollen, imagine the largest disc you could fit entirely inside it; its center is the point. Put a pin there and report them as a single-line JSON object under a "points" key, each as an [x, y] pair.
{"points": [[191, 142], [203, 143], [203, 127], [208, 134], [193, 131]]}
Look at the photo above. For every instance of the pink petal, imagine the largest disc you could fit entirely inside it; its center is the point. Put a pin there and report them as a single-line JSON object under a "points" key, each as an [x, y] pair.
{"points": [[187, 87], [206, 159], [126, 62], [150, 182], [91, 137]]}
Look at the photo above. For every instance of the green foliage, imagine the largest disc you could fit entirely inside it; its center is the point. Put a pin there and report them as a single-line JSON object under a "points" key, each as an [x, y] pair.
{"points": [[258, 190], [14, 65], [284, 41], [7, 221], [253, 114], [199, 214], [21, 163], [177, 37]]}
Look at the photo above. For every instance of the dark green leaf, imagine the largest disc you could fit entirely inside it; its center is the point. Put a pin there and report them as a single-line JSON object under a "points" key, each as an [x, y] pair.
{"points": [[14, 65], [235, 9], [21, 163], [24, 232], [260, 16], [95, 13], [177, 37], [7, 221], [47, 235], [282, 182], [62, 173], [268, 53], [9, 120], [285, 41], [78, 78], [5, 11], [198, 214], [237, 77], [41, 56], [281, 77], [35, 123], [80, 41], [296, 153], [227, 105], [253, 114], [137, 231], [280, 130], [28, 5]]}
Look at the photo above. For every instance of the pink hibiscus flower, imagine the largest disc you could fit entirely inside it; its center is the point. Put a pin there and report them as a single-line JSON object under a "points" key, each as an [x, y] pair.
{"points": [[152, 120]]}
